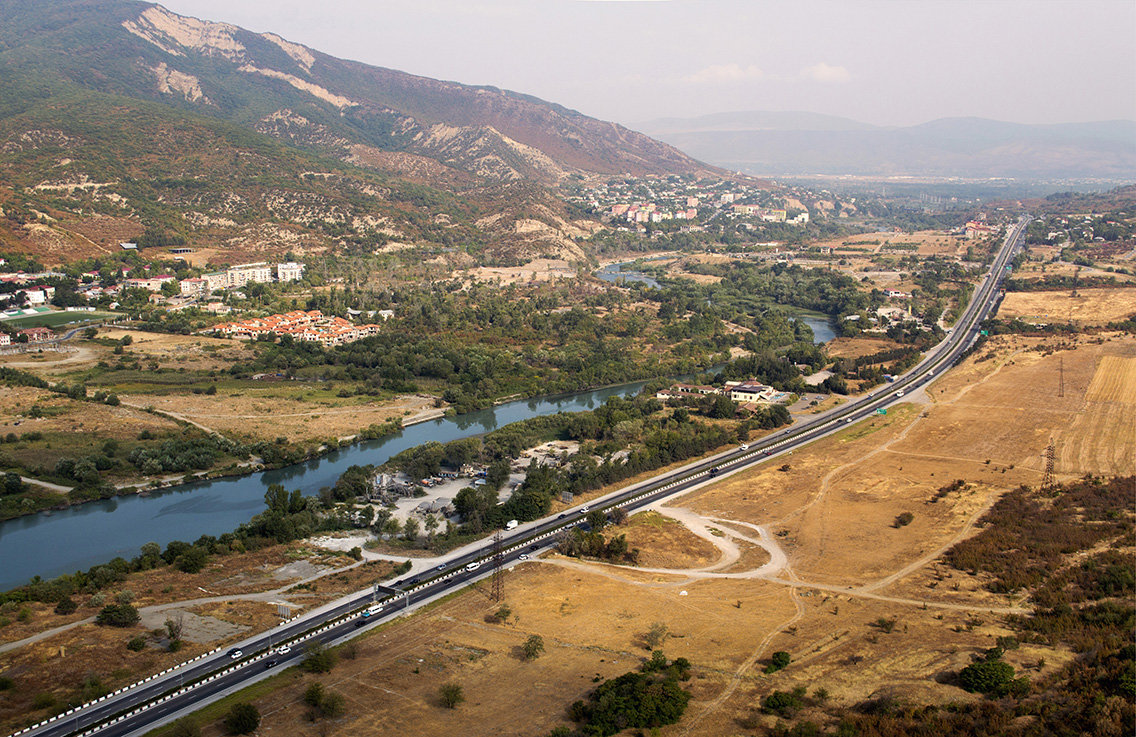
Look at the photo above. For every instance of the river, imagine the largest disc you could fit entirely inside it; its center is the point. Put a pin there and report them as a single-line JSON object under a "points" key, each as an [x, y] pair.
{"points": [[49, 544]]}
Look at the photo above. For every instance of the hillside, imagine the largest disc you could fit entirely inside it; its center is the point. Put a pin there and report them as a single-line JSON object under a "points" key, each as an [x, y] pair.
{"points": [[144, 51], [119, 118], [764, 143]]}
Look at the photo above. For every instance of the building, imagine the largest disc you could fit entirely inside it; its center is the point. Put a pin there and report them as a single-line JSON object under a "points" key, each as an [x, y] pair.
{"points": [[151, 284], [242, 274], [750, 391], [194, 287], [5, 340], [290, 271], [37, 335]]}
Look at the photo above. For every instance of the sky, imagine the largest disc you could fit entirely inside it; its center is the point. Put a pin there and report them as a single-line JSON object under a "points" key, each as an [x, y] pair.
{"points": [[885, 62]]}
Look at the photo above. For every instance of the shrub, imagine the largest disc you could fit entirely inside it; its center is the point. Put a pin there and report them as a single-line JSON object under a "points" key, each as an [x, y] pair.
{"points": [[319, 659], [66, 606], [117, 615], [136, 643], [242, 719], [903, 520], [779, 660], [991, 677], [784, 703], [533, 647], [450, 694]]}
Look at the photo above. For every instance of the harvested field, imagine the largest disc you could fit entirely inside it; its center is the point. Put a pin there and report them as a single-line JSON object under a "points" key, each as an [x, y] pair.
{"points": [[856, 347], [1088, 307], [287, 410]]}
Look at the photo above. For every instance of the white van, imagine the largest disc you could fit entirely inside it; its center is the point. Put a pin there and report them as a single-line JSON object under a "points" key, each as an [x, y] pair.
{"points": [[473, 566]]}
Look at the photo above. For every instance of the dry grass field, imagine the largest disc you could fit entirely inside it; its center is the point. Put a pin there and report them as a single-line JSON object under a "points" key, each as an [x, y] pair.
{"points": [[829, 509], [1088, 307]]}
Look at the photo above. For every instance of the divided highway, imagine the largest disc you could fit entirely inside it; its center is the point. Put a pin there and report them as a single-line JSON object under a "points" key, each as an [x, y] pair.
{"points": [[150, 703]]}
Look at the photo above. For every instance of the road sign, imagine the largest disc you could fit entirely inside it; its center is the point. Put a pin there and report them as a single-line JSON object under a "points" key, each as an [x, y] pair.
{"points": [[984, 332], [881, 411]]}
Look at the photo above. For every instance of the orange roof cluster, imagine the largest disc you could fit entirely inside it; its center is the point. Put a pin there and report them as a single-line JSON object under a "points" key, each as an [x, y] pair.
{"points": [[313, 326]]}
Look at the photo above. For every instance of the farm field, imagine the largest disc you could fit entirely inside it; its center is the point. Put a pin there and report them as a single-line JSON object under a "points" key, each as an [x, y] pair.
{"points": [[810, 560], [1093, 306]]}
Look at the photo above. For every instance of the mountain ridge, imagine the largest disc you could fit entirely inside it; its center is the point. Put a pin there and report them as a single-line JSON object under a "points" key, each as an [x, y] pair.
{"points": [[807, 143]]}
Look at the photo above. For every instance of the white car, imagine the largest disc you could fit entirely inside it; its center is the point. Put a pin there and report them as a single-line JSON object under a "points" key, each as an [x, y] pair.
{"points": [[523, 556], [283, 649], [744, 446], [473, 566], [235, 653]]}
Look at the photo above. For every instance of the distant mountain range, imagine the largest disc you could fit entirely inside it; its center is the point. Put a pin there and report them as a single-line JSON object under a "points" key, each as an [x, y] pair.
{"points": [[799, 143]]}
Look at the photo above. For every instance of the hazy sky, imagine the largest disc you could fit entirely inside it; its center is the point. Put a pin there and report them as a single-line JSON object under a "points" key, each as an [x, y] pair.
{"points": [[889, 62]]}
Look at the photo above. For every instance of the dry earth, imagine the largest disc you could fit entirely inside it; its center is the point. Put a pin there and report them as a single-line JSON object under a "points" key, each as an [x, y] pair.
{"points": [[809, 560], [1088, 307]]}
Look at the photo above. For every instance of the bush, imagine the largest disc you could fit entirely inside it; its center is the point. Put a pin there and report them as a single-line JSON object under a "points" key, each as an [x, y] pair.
{"points": [[319, 659], [991, 677], [6, 683], [242, 719], [117, 615], [66, 606], [450, 694], [533, 647], [136, 644], [903, 520], [780, 659], [784, 703]]}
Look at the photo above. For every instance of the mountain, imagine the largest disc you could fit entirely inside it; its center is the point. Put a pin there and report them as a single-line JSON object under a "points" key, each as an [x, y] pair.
{"points": [[141, 50], [771, 144], [120, 120]]}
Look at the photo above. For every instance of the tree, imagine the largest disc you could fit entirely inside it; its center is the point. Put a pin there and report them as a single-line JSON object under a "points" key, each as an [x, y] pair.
{"points": [[903, 519], [410, 529], [450, 694], [313, 694], [242, 719], [13, 483], [533, 647], [597, 520]]}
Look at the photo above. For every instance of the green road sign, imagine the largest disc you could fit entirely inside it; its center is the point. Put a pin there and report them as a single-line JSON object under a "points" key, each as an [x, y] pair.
{"points": [[881, 411], [984, 332]]}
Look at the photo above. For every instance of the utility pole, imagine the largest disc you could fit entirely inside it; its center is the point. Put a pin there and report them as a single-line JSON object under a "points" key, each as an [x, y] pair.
{"points": [[498, 572]]}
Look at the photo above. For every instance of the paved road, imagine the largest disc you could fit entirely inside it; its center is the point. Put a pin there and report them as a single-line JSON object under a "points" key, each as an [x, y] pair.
{"points": [[145, 706]]}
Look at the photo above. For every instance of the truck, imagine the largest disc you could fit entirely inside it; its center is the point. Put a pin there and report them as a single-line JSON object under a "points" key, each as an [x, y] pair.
{"points": [[372, 610], [511, 524]]}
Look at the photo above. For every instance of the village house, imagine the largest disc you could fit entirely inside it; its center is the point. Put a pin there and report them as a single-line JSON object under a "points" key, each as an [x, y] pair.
{"points": [[37, 335]]}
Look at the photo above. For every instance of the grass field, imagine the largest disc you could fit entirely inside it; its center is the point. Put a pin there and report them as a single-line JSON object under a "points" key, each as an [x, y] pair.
{"points": [[57, 320]]}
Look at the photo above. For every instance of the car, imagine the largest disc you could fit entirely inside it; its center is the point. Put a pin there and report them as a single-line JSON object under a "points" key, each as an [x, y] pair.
{"points": [[270, 662], [584, 509], [768, 452], [848, 419], [441, 567], [523, 556], [562, 516], [283, 649], [534, 546], [235, 653], [473, 566], [744, 446]]}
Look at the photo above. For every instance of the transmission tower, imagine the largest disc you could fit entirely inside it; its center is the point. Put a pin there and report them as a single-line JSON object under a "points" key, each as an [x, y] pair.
{"points": [[1050, 455], [498, 569]]}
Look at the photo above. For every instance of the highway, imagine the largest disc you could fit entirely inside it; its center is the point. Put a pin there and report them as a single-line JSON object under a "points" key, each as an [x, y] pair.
{"points": [[143, 706]]}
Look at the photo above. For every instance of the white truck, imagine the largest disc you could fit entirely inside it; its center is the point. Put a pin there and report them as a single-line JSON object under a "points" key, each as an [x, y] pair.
{"points": [[511, 524]]}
